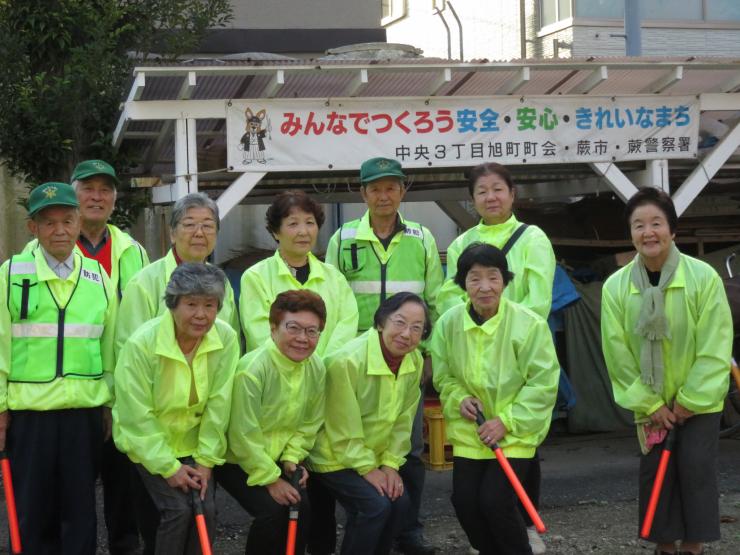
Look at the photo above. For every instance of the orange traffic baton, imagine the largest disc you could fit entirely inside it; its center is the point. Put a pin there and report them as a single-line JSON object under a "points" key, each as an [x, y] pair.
{"points": [[293, 514], [665, 456], [200, 523], [15, 534], [513, 479]]}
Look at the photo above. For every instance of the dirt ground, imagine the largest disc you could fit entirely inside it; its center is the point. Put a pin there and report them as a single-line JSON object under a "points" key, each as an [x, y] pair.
{"points": [[589, 502]]}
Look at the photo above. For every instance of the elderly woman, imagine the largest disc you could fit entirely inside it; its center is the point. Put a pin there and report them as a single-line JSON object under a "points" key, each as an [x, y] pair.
{"points": [[294, 219], [194, 224], [371, 397], [530, 256], [667, 335], [495, 356], [276, 412], [173, 394]]}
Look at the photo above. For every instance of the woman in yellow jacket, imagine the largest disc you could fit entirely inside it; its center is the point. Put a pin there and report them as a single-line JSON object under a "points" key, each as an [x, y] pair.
{"points": [[371, 397], [173, 394], [294, 219], [495, 356], [277, 410], [666, 332]]}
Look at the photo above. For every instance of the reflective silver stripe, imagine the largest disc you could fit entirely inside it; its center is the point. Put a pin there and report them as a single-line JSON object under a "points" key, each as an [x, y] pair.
{"points": [[89, 331], [17, 268], [348, 233], [373, 287]]}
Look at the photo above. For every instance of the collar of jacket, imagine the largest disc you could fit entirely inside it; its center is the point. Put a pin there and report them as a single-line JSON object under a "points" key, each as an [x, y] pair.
{"points": [[490, 325], [315, 267], [508, 227], [365, 230], [283, 363], [167, 346], [678, 281], [45, 273], [376, 364]]}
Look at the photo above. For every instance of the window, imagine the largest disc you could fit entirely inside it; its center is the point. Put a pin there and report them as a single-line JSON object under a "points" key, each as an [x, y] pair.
{"points": [[686, 10], [613, 9], [552, 11], [722, 10], [671, 9], [391, 10]]}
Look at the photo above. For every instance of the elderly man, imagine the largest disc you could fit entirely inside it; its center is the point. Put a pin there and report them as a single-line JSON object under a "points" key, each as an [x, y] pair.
{"points": [[56, 376], [382, 254]]}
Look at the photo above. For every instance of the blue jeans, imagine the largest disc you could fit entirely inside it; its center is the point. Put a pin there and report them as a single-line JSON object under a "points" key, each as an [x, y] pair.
{"points": [[372, 520]]}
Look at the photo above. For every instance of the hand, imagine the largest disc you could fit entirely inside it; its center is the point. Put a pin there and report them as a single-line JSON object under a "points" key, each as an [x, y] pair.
{"points": [[681, 413], [107, 423], [492, 431], [663, 418], [468, 408], [378, 480], [186, 478], [204, 476], [4, 425], [283, 493], [289, 468], [394, 482]]}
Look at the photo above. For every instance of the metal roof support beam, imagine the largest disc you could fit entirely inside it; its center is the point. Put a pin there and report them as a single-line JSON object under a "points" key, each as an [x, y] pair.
{"points": [[137, 89], [706, 169], [186, 158], [655, 175], [357, 84], [444, 77], [123, 122], [513, 85], [235, 192], [729, 85], [276, 81], [619, 182], [597, 77], [457, 213], [667, 80]]}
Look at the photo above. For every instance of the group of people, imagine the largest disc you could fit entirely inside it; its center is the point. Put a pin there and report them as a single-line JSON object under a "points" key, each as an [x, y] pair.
{"points": [[310, 393]]}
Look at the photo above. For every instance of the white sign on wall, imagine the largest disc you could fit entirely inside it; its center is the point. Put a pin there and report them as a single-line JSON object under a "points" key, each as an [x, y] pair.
{"points": [[303, 134]]}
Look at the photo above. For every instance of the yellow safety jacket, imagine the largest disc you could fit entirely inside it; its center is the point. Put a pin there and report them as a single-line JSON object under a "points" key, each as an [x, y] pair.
{"points": [[369, 410], [144, 299], [56, 350], [261, 283], [696, 357], [411, 263], [531, 259], [276, 411], [509, 364], [153, 420]]}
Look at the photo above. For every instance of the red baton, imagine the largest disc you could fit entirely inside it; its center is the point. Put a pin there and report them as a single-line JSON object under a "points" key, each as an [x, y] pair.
{"points": [[514, 480], [665, 456], [200, 522], [293, 514], [15, 534]]}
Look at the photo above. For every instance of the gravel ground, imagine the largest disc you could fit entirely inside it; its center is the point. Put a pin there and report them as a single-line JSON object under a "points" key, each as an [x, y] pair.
{"points": [[589, 502]]}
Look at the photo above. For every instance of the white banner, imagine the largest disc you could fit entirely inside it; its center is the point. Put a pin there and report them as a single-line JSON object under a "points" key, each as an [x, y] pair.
{"points": [[302, 134]]}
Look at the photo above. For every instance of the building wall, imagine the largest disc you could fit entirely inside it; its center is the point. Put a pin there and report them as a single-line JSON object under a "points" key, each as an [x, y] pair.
{"points": [[315, 14]]}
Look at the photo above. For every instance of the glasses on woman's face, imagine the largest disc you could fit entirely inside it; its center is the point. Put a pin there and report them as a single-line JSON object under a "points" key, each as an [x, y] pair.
{"points": [[208, 228], [295, 329], [400, 325]]}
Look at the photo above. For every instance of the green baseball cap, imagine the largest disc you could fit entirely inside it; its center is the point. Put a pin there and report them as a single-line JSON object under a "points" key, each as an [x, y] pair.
{"points": [[53, 193], [88, 168], [375, 168]]}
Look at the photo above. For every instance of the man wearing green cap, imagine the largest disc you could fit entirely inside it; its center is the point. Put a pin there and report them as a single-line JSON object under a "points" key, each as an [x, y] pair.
{"points": [[382, 254], [56, 376]]}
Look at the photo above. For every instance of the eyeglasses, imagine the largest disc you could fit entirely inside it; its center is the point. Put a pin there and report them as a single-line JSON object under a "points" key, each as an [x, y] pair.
{"points": [[295, 329], [401, 325], [209, 228]]}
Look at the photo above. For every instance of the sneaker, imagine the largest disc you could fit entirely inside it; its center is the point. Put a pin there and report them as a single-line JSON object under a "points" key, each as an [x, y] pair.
{"points": [[535, 541]]}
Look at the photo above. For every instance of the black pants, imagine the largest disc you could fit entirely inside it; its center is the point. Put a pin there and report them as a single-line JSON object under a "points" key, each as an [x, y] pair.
{"points": [[118, 474], [688, 506], [531, 483], [487, 506], [55, 459], [269, 530], [322, 536]]}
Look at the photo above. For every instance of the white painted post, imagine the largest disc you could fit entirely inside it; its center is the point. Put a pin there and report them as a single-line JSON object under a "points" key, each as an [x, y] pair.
{"points": [[186, 158]]}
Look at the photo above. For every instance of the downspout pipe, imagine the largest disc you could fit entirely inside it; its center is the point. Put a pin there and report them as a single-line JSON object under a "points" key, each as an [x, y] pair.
{"points": [[459, 26], [447, 28]]}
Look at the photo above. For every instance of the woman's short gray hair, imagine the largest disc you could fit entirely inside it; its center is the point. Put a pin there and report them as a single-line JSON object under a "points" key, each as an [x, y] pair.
{"points": [[193, 278], [192, 200]]}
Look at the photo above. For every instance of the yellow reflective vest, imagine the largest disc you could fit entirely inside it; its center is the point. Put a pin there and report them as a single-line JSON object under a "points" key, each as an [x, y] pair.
{"points": [[509, 363], [411, 263], [277, 409], [531, 259], [45, 384], [144, 299], [369, 410], [261, 283], [153, 420], [696, 358]]}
